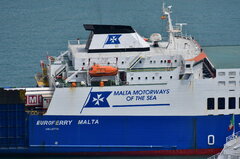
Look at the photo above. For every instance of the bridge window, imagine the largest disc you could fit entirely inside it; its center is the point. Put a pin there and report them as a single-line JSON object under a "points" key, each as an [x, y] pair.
{"points": [[221, 103], [210, 103], [231, 103]]}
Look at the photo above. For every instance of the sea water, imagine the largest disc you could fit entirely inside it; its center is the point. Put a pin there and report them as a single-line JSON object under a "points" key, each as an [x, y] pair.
{"points": [[30, 30]]}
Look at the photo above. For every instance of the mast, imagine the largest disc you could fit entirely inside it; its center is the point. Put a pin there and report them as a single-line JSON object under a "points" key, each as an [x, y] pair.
{"points": [[167, 11]]}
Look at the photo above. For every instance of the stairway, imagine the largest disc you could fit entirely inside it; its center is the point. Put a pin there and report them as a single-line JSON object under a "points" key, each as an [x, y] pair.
{"points": [[135, 61]]}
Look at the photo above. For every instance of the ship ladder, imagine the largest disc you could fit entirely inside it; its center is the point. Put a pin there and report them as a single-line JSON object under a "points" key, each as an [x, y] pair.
{"points": [[60, 70], [135, 61], [209, 70]]}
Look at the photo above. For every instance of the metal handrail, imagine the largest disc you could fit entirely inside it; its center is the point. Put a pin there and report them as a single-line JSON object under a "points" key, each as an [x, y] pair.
{"points": [[76, 42], [233, 136]]}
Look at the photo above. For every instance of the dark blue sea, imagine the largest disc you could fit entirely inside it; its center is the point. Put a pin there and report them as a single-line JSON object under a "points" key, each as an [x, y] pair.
{"points": [[32, 29]]}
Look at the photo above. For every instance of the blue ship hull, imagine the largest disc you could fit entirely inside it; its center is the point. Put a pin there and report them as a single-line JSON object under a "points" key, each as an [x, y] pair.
{"points": [[128, 134]]}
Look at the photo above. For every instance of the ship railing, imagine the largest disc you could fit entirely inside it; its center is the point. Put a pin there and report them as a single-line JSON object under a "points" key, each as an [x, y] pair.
{"points": [[233, 136], [76, 42], [176, 29]]}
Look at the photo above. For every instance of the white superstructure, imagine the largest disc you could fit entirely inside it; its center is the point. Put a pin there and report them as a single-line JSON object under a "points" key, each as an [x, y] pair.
{"points": [[132, 75]]}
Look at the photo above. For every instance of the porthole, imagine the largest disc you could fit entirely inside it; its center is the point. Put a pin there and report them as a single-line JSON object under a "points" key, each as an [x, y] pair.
{"points": [[153, 77], [170, 77], [83, 63], [122, 62], [146, 78], [160, 77], [131, 78], [139, 78]]}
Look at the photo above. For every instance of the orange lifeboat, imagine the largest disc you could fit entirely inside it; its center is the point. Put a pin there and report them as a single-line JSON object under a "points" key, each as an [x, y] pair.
{"points": [[98, 71]]}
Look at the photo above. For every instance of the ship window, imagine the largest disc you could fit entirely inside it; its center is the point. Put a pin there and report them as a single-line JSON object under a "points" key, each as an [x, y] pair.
{"points": [[154, 61], [146, 78], [239, 102], [83, 63], [210, 103], [108, 63], [139, 78], [221, 73], [131, 78], [232, 83], [231, 103], [170, 77], [221, 103], [232, 73], [176, 61], [161, 61], [221, 83], [160, 77], [122, 62], [165, 61], [140, 61], [188, 65], [153, 78], [150, 61]]}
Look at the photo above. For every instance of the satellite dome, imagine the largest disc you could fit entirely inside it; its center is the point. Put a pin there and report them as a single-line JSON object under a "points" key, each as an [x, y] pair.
{"points": [[156, 37]]}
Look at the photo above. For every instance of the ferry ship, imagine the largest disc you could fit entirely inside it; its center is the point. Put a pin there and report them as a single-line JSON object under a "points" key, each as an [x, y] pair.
{"points": [[119, 93]]}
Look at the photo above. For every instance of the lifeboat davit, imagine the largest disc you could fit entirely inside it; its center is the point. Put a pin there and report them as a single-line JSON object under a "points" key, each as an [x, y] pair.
{"points": [[98, 71]]}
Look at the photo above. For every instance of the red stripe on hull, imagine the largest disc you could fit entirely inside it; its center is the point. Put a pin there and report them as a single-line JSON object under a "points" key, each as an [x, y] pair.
{"points": [[188, 152]]}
